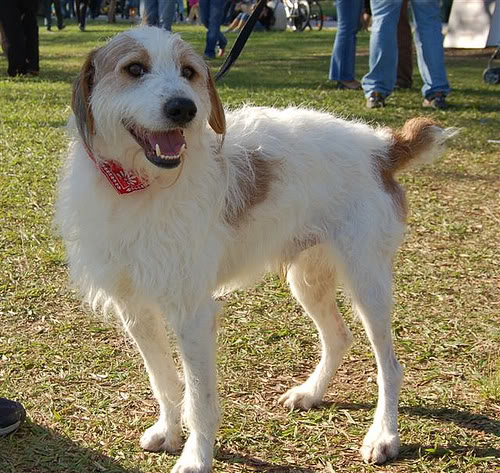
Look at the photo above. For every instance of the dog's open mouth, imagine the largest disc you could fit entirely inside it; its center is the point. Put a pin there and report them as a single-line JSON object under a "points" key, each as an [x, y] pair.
{"points": [[162, 148]]}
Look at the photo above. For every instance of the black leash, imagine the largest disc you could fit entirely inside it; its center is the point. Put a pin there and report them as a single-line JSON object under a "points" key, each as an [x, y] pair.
{"points": [[240, 40]]}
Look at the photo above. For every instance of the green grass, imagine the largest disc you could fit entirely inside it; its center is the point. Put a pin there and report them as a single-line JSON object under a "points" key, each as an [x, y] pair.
{"points": [[83, 384]]}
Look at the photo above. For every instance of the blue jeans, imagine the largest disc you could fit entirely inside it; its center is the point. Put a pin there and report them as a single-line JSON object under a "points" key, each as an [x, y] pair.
{"points": [[384, 47], [212, 14], [343, 60], [160, 13]]}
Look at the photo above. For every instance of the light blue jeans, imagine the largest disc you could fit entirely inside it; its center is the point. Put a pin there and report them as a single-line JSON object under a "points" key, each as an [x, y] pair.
{"points": [[212, 15], [343, 60], [384, 47], [160, 13]]}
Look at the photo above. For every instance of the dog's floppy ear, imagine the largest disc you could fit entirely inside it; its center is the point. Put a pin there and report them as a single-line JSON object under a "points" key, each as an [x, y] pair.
{"points": [[217, 118], [80, 103]]}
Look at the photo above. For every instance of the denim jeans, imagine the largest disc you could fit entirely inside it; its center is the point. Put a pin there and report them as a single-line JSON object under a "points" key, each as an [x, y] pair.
{"points": [[343, 60], [160, 13], [212, 14], [48, 13], [384, 47]]}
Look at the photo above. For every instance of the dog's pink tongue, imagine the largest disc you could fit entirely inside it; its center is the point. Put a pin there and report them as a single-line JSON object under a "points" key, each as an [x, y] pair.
{"points": [[170, 142]]}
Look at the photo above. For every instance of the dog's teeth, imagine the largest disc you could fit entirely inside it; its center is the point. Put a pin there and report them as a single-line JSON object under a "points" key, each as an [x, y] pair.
{"points": [[183, 148], [158, 151]]}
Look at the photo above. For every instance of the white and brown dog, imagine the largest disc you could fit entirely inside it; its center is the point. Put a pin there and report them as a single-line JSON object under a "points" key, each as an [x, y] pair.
{"points": [[167, 202]]}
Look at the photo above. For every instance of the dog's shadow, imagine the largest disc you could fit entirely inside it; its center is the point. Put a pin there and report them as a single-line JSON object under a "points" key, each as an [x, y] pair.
{"points": [[37, 448]]}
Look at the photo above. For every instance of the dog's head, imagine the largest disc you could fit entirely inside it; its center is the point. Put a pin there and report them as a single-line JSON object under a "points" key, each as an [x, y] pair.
{"points": [[146, 88]]}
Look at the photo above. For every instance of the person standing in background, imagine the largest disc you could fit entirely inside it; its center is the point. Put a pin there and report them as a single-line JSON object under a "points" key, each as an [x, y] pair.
{"points": [[160, 13], [404, 78], [81, 13], [48, 14], [212, 15], [379, 83], [18, 18], [343, 59]]}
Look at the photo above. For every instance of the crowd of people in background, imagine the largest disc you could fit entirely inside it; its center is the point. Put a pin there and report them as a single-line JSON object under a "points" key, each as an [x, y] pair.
{"points": [[391, 48]]}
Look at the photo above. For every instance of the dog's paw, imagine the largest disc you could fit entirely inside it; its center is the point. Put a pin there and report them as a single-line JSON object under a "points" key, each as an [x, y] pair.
{"points": [[380, 446], [190, 467], [196, 456], [300, 397], [160, 437]]}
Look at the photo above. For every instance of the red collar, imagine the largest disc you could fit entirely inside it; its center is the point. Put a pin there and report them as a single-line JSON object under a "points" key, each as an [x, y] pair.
{"points": [[122, 181]]}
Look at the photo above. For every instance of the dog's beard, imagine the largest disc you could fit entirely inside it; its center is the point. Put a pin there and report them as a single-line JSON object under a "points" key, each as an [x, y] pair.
{"points": [[162, 148]]}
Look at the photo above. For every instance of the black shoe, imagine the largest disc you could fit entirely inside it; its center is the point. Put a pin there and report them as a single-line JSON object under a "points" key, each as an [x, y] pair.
{"points": [[375, 100], [437, 101], [12, 415], [348, 84], [61, 27]]}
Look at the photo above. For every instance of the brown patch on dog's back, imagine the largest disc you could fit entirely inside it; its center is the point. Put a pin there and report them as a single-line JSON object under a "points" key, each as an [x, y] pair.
{"points": [[252, 188]]}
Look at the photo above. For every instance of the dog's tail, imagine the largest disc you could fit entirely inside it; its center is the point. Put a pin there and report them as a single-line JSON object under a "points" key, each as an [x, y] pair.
{"points": [[420, 141]]}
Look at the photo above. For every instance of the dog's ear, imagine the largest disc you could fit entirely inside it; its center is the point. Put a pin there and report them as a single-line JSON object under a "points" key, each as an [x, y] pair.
{"points": [[80, 103], [217, 118]]}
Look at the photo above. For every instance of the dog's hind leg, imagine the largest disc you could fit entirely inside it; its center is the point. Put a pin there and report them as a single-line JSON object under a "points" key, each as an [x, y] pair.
{"points": [[366, 269], [148, 330], [312, 281]]}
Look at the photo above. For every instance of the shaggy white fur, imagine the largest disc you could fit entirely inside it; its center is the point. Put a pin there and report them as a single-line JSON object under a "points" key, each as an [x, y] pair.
{"points": [[228, 197]]}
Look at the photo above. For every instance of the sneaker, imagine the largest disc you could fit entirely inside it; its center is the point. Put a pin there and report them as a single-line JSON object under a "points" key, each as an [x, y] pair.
{"points": [[11, 416], [375, 100], [437, 101]]}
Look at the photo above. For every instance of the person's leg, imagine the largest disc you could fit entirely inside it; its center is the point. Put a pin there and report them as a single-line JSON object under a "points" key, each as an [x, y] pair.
{"points": [[47, 12], [218, 18], [166, 10], [59, 14], [151, 12], [343, 60], [383, 48], [212, 12], [429, 45], [30, 29], [81, 11], [10, 17], [405, 58]]}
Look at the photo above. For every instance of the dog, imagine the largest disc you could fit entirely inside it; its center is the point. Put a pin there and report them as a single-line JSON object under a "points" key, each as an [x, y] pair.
{"points": [[167, 201]]}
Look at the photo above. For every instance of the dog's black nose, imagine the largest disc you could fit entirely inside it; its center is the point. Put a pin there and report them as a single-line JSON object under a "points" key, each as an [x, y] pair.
{"points": [[180, 110]]}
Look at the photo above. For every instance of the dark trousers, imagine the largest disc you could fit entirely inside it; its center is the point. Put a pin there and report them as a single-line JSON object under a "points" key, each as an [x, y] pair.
{"points": [[48, 13], [405, 58], [81, 12], [20, 25]]}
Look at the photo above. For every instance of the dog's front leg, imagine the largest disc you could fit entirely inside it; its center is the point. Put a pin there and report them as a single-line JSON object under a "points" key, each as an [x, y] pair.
{"points": [[147, 328], [196, 335]]}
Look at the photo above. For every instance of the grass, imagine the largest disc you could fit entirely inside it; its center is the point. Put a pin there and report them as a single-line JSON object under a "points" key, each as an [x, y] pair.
{"points": [[83, 384]]}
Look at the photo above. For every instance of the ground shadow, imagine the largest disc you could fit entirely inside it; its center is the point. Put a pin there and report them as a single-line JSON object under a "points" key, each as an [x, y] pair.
{"points": [[464, 419], [35, 448]]}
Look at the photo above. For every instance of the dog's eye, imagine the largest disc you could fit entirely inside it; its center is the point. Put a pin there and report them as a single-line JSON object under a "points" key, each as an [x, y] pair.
{"points": [[136, 69], [188, 72]]}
